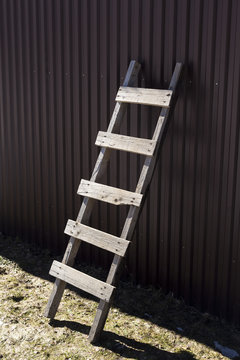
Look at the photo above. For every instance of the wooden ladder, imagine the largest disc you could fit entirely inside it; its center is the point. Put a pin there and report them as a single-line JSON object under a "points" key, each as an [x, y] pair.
{"points": [[91, 190]]}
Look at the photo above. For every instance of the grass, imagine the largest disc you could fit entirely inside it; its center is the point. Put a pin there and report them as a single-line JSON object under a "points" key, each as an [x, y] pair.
{"points": [[142, 324]]}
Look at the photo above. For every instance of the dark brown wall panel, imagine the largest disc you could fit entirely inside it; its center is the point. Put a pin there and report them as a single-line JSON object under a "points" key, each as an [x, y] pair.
{"points": [[61, 63]]}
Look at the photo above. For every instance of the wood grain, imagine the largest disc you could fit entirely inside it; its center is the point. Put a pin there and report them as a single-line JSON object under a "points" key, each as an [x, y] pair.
{"points": [[126, 143], [108, 194], [82, 281], [96, 237], [153, 97]]}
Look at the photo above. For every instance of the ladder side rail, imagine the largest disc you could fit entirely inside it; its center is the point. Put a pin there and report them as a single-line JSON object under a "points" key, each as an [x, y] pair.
{"points": [[87, 203], [129, 225]]}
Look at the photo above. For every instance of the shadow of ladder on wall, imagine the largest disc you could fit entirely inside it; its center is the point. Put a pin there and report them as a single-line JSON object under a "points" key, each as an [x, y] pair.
{"points": [[91, 190]]}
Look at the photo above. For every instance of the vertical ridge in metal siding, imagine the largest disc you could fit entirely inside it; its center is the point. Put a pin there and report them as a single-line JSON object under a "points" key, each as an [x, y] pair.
{"points": [[234, 292], [233, 309], [219, 117], [180, 129], [14, 132], [34, 79], [229, 162], [6, 108], [60, 66], [2, 138], [209, 74], [204, 134], [76, 99], [211, 244], [28, 121], [3, 217], [67, 109], [60, 118], [194, 57]]}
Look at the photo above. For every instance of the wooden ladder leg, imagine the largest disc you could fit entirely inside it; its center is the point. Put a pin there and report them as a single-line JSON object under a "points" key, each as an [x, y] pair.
{"points": [[87, 205], [59, 285], [104, 306], [55, 298], [99, 321], [114, 274]]}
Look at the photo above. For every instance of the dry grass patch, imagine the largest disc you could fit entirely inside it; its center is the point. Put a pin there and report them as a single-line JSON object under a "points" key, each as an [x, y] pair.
{"points": [[143, 324]]}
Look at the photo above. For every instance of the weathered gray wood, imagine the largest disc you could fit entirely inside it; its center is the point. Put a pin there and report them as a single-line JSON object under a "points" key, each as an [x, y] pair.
{"points": [[96, 237], [126, 143], [130, 222], [82, 281], [87, 204], [153, 97], [144, 180], [108, 194]]}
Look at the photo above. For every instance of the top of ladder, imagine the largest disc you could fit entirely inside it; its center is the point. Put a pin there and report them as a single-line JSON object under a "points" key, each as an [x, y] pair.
{"points": [[143, 96]]}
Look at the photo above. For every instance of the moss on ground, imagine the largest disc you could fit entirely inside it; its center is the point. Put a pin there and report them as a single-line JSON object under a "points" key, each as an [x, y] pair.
{"points": [[143, 324]]}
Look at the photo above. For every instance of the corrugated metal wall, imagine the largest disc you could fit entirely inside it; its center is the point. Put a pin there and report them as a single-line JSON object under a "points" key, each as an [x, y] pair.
{"points": [[61, 63]]}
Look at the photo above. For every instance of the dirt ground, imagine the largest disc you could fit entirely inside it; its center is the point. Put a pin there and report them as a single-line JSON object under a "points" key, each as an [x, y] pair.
{"points": [[143, 323]]}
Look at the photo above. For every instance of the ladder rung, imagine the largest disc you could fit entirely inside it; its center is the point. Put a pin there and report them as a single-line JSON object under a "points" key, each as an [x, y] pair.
{"points": [[96, 237], [144, 96], [82, 281], [108, 194], [126, 143]]}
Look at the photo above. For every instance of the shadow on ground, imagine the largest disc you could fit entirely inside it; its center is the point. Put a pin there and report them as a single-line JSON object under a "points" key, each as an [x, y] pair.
{"points": [[129, 348], [147, 303]]}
